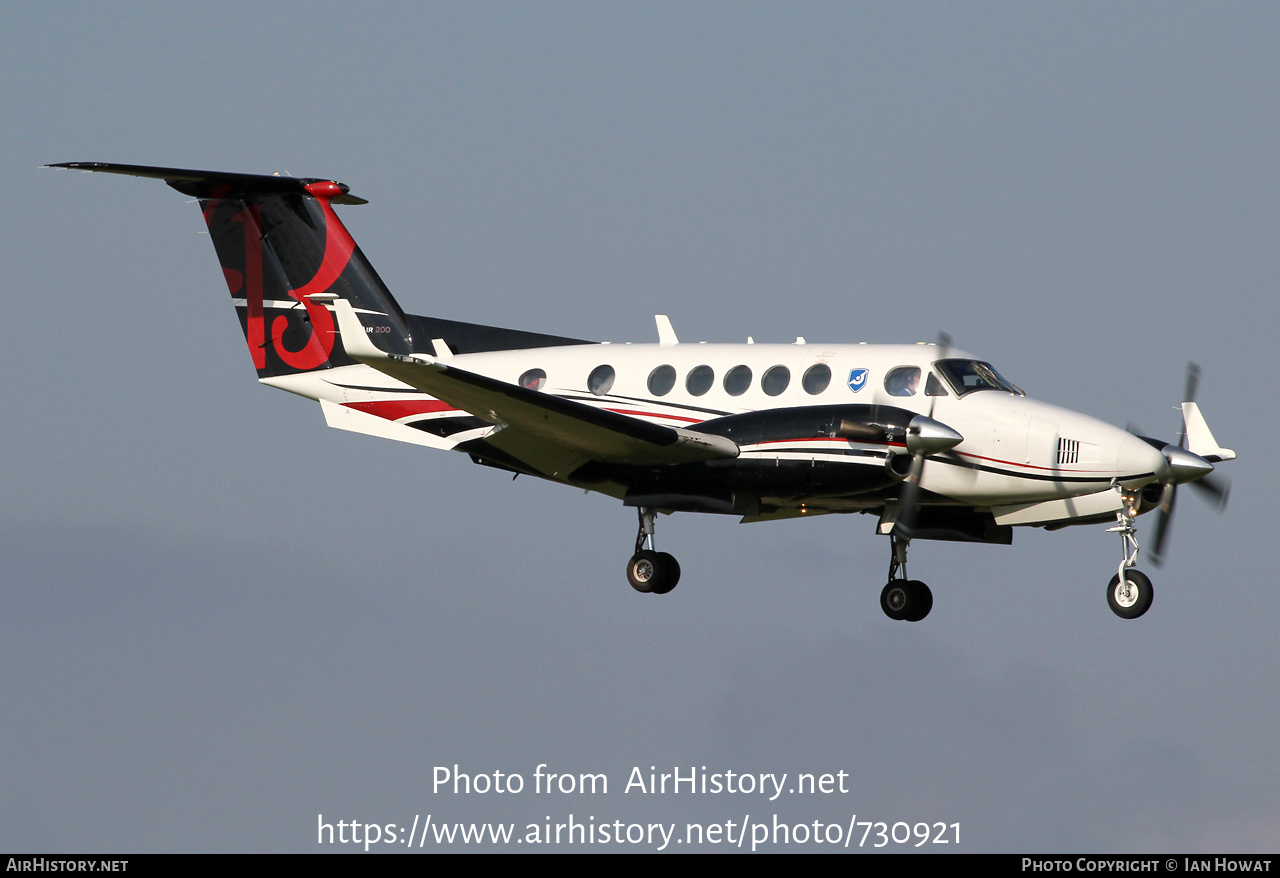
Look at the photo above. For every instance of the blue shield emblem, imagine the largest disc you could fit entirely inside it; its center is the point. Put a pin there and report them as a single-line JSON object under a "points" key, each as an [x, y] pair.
{"points": [[857, 379]]}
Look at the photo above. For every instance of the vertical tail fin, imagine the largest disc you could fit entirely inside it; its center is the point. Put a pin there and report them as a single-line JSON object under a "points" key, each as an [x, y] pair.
{"points": [[280, 243]]}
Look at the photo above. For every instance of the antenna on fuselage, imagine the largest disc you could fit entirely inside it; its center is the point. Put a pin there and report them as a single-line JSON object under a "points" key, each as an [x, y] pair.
{"points": [[666, 334]]}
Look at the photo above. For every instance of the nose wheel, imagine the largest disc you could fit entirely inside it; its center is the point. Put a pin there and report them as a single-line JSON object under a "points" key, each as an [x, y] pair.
{"points": [[649, 571], [1131, 599], [902, 599], [1129, 592]]}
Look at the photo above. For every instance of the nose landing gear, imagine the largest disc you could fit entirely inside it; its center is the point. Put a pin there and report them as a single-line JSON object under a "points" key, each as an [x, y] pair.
{"points": [[902, 599], [1129, 592], [649, 571]]}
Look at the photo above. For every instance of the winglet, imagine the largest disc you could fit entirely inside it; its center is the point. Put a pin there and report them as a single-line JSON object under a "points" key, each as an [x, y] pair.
{"points": [[666, 334], [1199, 440], [355, 338]]}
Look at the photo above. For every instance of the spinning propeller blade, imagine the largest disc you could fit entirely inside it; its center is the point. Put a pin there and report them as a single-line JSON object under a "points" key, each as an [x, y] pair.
{"points": [[1167, 498], [1215, 490], [925, 436], [1182, 467], [1193, 381]]}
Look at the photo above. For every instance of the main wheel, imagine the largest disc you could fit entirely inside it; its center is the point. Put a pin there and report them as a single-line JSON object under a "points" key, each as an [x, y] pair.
{"points": [[1136, 602], [921, 601], [668, 573], [906, 600], [644, 571], [895, 599]]}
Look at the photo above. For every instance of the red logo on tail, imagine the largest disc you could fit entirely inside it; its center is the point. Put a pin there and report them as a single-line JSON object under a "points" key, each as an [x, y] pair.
{"points": [[338, 247]]}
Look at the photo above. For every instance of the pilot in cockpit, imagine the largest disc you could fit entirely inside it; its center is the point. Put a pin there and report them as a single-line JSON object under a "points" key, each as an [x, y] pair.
{"points": [[902, 381]]}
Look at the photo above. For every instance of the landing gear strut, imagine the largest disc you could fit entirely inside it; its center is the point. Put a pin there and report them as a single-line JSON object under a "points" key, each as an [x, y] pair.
{"points": [[906, 600], [650, 571], [1129, 592]]}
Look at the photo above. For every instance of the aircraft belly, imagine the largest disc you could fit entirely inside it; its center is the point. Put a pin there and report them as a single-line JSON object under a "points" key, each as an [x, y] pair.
{"points": [[1099, 506], [343, 418], [798, 475], [790, 478]]}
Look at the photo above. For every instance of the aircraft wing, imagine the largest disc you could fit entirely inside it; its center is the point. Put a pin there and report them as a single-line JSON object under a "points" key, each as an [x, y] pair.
{"points": [[583, 432]]}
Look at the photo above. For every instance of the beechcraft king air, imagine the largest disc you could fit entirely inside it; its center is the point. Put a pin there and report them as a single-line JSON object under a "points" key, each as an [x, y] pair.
{"points": [[932, 441]]}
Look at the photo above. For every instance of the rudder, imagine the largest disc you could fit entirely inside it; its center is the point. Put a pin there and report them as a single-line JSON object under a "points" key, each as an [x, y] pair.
{"points": [[280, 244]]}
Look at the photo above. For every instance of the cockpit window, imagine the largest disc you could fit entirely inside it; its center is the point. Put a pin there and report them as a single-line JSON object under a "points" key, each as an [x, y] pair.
{"points": [[933, 387], [902, 381], [966, 376]]}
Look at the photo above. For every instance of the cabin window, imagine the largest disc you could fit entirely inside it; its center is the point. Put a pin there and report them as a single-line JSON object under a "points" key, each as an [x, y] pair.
{"points": [[600, 381], [533, 379], [699, 380], [775, 380], [737, 380], [902, 381], [661, 380], [816, 378]]}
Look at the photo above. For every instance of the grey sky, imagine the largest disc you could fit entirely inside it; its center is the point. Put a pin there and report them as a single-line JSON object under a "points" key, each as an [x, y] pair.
{"points": [[224, 618]]}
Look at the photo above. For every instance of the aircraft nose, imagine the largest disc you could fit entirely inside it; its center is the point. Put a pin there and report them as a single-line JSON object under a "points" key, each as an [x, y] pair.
{"points": [[1136, 460]]}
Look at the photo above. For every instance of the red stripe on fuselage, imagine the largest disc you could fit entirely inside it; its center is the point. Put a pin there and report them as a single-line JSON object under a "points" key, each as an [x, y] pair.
{"points": [[1048, 469], [395, 409]]}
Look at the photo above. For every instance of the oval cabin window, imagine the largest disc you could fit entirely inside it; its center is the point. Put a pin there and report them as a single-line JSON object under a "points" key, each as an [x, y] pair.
{"points": [[816, 378], [661, 380], [700, 380], [600, 381], [533, 379], [737, 380]]}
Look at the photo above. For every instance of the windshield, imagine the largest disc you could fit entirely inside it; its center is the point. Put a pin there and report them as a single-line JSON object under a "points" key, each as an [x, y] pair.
{"points": [[966, 376]]}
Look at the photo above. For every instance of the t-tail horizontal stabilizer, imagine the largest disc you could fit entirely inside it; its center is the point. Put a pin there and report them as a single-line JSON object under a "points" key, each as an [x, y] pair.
{"points": [[209, 184]]}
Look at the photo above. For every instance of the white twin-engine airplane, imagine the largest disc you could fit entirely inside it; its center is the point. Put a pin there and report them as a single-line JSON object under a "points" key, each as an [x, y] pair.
{"points": [[932, 440]]}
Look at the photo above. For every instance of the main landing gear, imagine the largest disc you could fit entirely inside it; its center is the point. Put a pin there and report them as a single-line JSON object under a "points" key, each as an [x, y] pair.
{"points": [[905, 600], [649, 571], [1129, 592]]}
